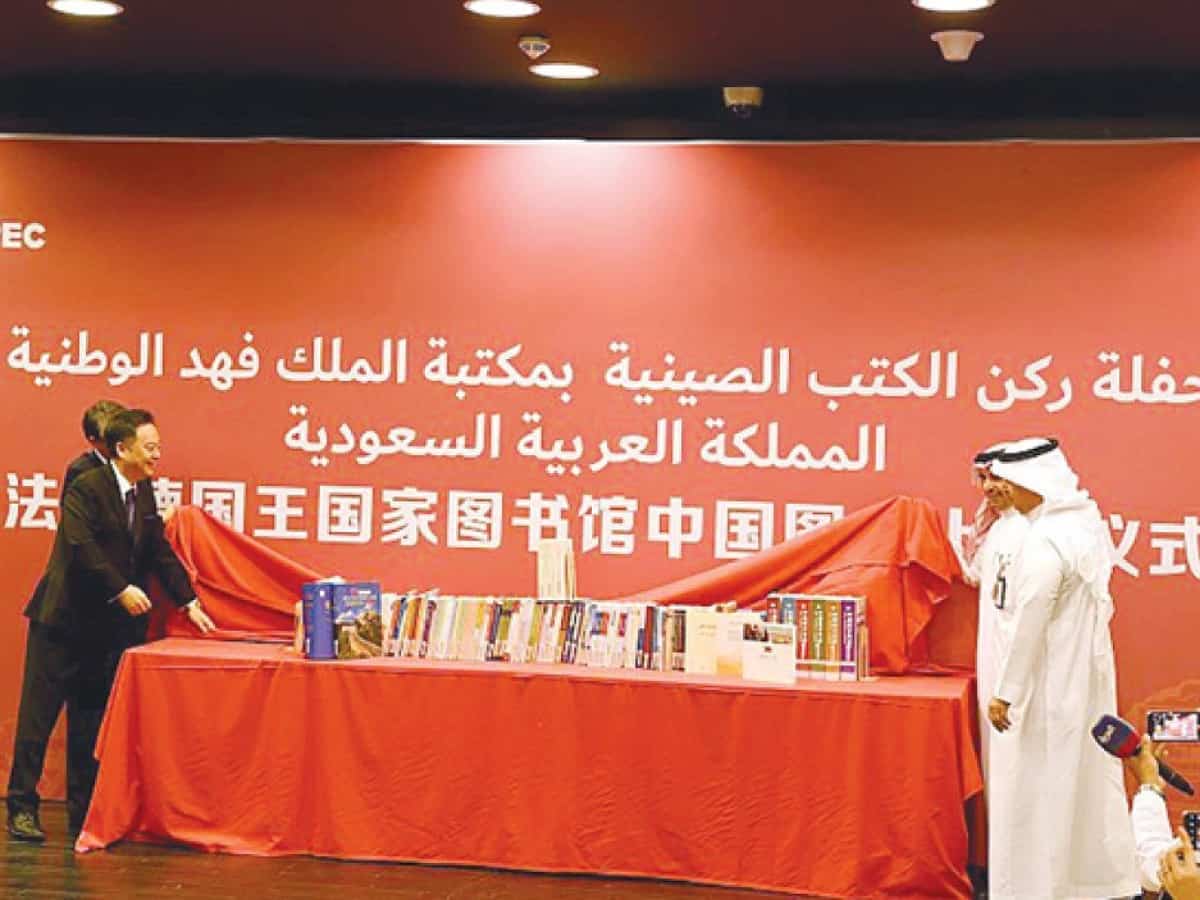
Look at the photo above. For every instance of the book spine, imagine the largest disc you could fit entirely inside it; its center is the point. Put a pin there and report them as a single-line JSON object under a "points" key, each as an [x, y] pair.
{"points": [[803, 613], [308, 616], [410, 624], [617, 659], [603, 648], [437, 622], [864, 650], [596, 637], [656, 637], [454, 640], [578, 635], [512, 646], [643, 636], [341, 648], [493, 626], [679, 656], [504, 630], [586, 613], [653, 639], [387, 624], [571, 615], [445, 624], [666, 637], [562, 619], [433, 627], [546, 633], [833, 639], [529, 610], [817, 624], [634, 627], [452, 629], [849, 639], [612, 639], [427, 628], [316, 602], [479, 633], [535, 632]]}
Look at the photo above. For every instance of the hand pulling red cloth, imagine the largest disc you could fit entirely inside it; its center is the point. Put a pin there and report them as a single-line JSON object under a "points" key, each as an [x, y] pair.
{"points": [[248, 589]]}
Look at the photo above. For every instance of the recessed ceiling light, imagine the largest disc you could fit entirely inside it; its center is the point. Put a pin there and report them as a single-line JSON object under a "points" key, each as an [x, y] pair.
{"points": [[953, 6], [503, 9], [93, 8], [564, 70]]}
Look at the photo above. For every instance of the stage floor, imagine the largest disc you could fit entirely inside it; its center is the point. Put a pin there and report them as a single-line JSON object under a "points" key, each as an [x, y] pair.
{"points": [[136, 871]]}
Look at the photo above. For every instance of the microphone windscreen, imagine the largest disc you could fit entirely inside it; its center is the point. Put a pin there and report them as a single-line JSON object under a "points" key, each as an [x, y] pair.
{"points": [[1116, 736]]}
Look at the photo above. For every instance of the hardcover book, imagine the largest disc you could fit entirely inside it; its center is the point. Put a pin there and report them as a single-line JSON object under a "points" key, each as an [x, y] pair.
{"points": [[852, 614], [356, 620], [316, 602], [816, 647]]}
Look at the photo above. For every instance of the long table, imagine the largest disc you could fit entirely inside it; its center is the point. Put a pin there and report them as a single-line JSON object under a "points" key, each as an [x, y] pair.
{"points": [[830, 789]]}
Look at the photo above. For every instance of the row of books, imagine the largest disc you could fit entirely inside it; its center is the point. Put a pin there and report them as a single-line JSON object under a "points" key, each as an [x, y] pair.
{"points": [[517, 629], [601, 634], [809, 636], [832, 638]]}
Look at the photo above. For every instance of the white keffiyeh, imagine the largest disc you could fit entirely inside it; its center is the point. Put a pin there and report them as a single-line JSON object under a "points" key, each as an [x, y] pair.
{"points": [[1079, 532]]}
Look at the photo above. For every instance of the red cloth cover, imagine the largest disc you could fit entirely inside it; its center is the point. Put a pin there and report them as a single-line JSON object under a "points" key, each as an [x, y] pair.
{"points": [[895, 553], [244, 585]]}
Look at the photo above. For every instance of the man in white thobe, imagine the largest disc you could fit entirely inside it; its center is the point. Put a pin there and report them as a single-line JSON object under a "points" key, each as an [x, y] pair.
{"points": [[1058, 826], [989, 550]]}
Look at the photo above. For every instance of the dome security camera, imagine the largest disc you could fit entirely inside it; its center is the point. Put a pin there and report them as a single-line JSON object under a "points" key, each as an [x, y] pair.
{"points": [[743, 101]]}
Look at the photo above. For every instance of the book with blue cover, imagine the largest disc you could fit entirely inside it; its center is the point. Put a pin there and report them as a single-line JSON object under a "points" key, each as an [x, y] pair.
{"points": [[316, 602]]}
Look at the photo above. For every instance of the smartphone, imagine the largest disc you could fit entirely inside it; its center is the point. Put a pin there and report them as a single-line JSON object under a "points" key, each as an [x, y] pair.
{"points": [[1191, 824], [1173, 725]]}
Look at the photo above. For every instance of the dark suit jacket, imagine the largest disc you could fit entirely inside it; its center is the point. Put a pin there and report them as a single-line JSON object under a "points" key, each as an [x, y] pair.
{"points": [[84, 462], [95, 557]]}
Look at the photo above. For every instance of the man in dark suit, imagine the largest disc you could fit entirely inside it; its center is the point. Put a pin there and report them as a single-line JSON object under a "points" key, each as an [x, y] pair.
{"points": [[88, 608], [95, 418]]}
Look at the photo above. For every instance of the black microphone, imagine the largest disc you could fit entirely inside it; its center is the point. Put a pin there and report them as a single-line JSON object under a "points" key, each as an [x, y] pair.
{"points": [[1118, 738]]}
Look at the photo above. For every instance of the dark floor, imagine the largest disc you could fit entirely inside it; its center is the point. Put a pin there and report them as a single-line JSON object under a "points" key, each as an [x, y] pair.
{"points": [[131, 871]]}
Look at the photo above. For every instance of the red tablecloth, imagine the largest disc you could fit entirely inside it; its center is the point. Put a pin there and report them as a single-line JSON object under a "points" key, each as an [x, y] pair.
{"points": [[841, 790]]}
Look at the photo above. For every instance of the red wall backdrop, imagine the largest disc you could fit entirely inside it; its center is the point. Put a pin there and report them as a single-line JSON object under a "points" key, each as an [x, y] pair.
{"points": [[1009, 268]]}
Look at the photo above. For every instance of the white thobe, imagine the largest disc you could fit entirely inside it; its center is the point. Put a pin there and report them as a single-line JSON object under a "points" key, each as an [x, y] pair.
{"points": [[991, 569], [1152, 835], [1058, 824]]}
